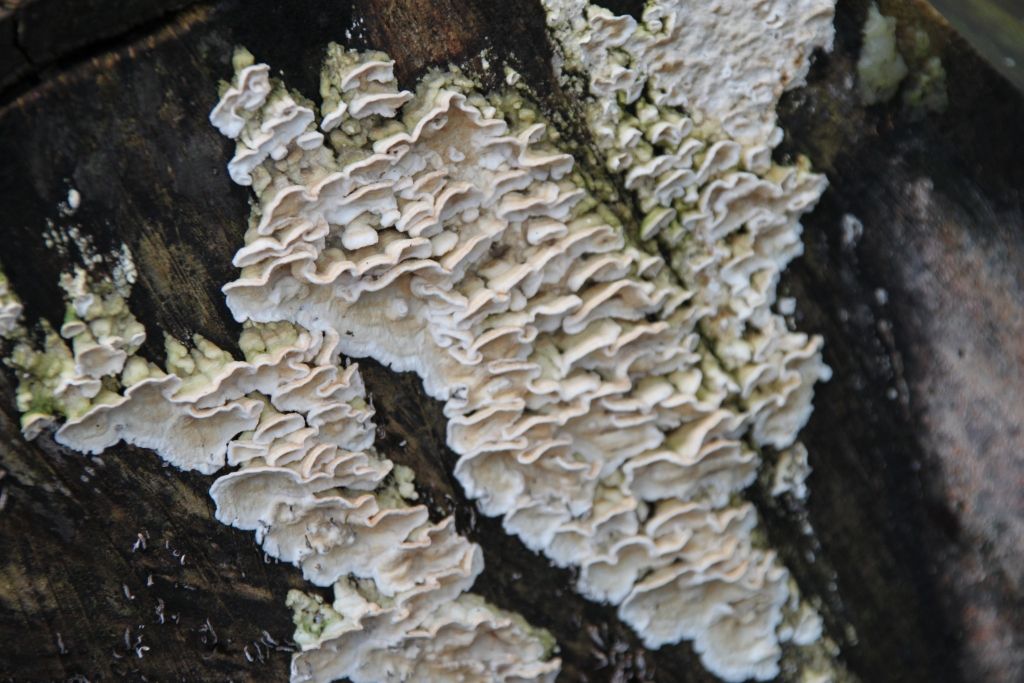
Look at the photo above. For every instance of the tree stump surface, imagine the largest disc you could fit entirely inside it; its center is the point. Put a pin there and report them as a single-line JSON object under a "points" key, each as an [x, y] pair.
{"points": [[113, 567]]}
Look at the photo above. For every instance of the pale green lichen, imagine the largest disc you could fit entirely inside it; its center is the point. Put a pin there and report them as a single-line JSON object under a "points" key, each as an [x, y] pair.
{"points": [[925, 93], [926, 90], [242, 58], [198, 365], [258, 342], [882, 70], [315, 620], [56, 381], [137, 369], [399, 489], [40, 374], [405, 479]]}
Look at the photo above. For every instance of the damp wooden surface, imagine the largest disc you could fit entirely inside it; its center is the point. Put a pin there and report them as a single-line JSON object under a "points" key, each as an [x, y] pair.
{"points": [[903, 496]]}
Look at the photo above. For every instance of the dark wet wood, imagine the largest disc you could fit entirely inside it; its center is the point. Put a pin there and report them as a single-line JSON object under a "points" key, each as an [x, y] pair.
{"points": [[916, 503], [113, 568], [120, 115]]}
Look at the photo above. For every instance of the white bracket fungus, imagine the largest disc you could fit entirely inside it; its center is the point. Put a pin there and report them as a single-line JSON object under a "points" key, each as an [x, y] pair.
{"points": [[608, 413], [607, 403], [726, 62], [309, 483]]}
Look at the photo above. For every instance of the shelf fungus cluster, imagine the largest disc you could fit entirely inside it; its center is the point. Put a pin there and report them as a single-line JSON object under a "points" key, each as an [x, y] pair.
{"points": [[610, 386], [607, 404], [295, 423]]}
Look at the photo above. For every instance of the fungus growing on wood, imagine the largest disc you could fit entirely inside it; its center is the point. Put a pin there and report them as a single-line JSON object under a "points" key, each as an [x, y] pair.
{"points": [[609, 387], [588, 404], [310, 484]]}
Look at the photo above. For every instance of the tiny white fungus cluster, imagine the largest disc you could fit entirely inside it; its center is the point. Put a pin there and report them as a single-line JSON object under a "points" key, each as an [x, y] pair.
{"points": [[880, 67], [10, 307]]}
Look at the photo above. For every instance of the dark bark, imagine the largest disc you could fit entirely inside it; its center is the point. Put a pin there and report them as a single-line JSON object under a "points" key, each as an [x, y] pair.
{"points": [[115, 106]]}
